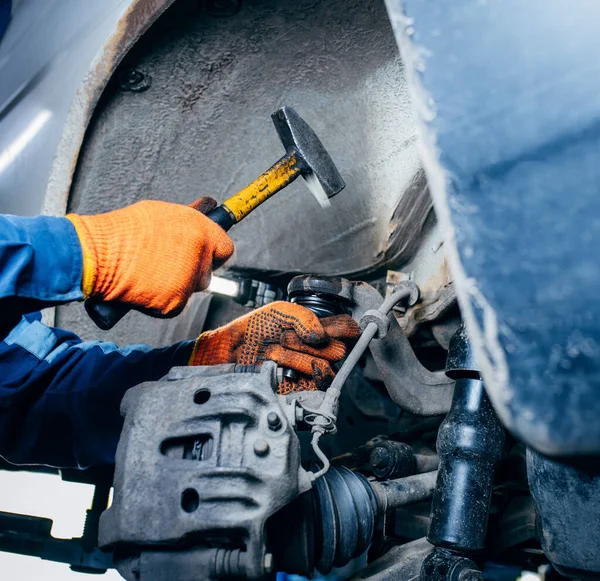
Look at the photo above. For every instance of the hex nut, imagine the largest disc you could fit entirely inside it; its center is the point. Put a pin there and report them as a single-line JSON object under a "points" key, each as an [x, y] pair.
{"points": [[380, 457], [134, 80], [373, 316], [273, 421]]}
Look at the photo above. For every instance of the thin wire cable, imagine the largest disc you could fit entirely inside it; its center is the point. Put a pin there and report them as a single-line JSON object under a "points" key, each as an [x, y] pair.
{"points": [[322, 422]]}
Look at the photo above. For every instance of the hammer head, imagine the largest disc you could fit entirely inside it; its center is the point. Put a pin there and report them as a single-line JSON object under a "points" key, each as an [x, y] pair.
{"points": [[322, 177]]}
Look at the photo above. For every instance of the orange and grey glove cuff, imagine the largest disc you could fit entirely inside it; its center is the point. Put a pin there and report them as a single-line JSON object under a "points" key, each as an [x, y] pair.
{"points": [[89, 261]]}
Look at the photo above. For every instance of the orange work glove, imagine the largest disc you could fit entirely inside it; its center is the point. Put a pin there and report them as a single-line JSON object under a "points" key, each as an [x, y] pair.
{"points": [[152, 255], [286, 333]]}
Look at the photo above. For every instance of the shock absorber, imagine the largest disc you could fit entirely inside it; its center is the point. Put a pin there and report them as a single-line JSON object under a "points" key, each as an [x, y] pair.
{"points": [[325, 296], [469, 444]]}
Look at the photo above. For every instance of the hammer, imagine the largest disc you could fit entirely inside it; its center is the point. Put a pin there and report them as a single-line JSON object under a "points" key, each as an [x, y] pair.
{"points": [[304, 156]]}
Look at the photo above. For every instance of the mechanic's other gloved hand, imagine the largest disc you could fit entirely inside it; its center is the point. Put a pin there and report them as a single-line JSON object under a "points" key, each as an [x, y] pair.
{"points": [[152, 255], [286, 333]]}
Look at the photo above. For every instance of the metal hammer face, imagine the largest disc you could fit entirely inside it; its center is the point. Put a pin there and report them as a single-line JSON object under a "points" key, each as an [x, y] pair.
{"points": [[316, 166]]}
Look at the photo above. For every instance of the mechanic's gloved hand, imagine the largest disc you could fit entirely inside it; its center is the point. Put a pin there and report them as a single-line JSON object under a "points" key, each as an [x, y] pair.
{"points": [[286, 333], [152, 255]]}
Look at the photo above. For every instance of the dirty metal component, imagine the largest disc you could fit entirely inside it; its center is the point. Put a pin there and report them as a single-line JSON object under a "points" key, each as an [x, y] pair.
{"points": [[183, 565], [413, 387], [469, 443], [324, 419], [324, 295], [298, 403], [401, 563], [443, 565], [305, 156], [134, 80], [274, 421], [567, 504], [378, 319], [333, 288], [198, 472], [31, 535], [89, 538], [426, 460], [392, 494], [255, 293], [392, 460], [359, 456]]}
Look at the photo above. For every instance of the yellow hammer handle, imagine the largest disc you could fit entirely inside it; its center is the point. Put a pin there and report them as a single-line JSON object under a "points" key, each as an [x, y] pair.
{"points": [[286, 170]]}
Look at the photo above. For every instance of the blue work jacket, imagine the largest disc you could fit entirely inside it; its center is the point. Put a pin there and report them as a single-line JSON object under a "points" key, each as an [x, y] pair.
{"points": [[59, 396]]}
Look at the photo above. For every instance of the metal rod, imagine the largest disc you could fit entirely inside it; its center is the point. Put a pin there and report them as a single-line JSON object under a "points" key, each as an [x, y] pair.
{"points": [[394, 493], [328, 408]]}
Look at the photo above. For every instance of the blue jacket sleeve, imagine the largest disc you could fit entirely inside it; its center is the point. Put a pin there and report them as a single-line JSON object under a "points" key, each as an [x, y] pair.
{"points": [[60, 397], [40, 266]]}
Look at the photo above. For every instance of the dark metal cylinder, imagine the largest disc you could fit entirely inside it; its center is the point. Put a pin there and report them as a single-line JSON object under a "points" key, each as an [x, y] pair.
{"points": [[324, 296], [392, 494], [442, 565], [469, 443], [392, 460], [320, 306]]}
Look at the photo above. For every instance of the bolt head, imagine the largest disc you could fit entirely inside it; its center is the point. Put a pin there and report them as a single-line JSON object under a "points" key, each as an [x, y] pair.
{"points": [[273, 421], [133, 76], [380, 457], [261, 447], [134, 80]]}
